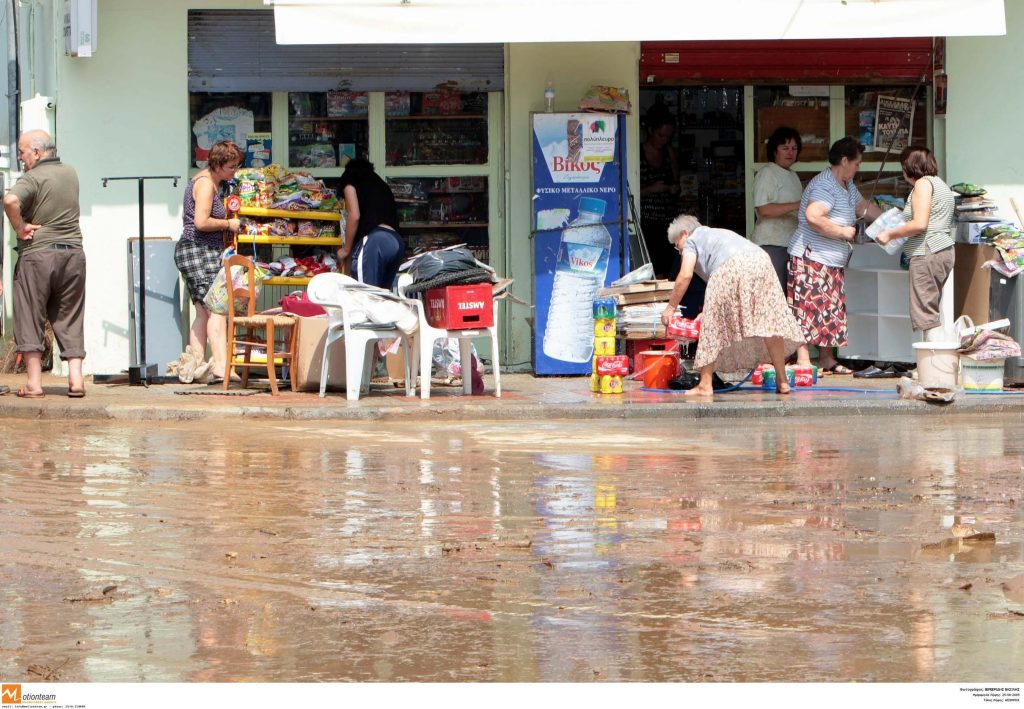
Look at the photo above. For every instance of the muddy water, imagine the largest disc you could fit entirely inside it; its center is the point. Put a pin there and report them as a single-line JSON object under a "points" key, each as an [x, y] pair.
{"points": [[577, 551]]}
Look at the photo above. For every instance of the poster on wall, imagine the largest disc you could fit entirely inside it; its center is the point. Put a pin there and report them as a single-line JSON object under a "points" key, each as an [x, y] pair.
{"points": [[229, 123], [894, 122], [578, 196]]}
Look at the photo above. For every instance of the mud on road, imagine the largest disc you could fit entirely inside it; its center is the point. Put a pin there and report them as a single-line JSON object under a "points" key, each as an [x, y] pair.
{"points": [[799, 550]]}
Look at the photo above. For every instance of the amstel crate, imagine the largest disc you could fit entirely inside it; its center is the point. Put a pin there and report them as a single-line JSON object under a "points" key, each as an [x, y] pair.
{"points": [[460, 307]]}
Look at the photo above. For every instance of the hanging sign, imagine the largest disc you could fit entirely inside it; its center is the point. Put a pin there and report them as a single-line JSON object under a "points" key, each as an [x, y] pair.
{"points": [[894, 121], [79, 28]]}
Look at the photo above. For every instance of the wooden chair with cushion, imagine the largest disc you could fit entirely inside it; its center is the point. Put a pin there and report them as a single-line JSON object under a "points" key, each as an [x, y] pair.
{"points": [[243, 330]]}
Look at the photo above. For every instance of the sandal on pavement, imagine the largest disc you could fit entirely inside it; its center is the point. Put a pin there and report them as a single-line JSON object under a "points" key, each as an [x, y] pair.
{"points": [[24, 393], [836, 369], [76, 393]]}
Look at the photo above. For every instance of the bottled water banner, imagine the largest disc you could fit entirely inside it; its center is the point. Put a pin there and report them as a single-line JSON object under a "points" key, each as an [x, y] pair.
{"points": [[579, 193]]}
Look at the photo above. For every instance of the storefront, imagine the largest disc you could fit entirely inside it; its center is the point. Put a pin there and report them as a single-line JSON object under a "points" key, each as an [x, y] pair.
{"points": [[127, 110], [726, 98]]}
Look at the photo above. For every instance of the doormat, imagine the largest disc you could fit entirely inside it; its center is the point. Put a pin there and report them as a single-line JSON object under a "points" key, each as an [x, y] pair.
{"points": [[200, 392]]}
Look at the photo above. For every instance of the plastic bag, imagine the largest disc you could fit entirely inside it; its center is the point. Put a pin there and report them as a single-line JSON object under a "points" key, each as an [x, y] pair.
{"points": [[428, 265], [216, 300], [607, 99]]}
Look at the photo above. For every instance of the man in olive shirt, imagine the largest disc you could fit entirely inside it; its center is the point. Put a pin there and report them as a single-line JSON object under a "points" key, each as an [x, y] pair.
{"points": [[49, 279]]}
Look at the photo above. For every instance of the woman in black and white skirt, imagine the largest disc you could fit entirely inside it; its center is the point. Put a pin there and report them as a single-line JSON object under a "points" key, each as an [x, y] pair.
{"points": [[198, 254]]}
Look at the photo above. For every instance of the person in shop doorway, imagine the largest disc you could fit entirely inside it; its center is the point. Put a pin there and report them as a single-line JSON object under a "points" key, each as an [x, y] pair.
{"points": [[777, 193], [659, 188], [746, 320], [49, 278], [372, 240], [199, 252], [819, 250], [929, 247]]}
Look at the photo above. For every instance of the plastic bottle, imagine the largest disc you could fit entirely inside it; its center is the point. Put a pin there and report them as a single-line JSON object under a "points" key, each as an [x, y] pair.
{"points": [[549, 95], [579, 271]]}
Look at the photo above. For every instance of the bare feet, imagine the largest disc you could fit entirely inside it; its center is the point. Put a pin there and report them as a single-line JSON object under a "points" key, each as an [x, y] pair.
{"points": [[782, 388], [700, 391]]}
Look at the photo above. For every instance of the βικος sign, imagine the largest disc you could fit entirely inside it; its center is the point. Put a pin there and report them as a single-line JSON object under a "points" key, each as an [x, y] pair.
{"points": [[894, 121]]}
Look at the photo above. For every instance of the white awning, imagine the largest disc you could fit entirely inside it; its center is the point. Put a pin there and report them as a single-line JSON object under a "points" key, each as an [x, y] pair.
{"points": [[479, 21]]}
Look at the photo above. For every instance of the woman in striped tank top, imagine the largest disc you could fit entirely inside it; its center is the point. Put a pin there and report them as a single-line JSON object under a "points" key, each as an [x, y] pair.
{"points": [[929, 231]]}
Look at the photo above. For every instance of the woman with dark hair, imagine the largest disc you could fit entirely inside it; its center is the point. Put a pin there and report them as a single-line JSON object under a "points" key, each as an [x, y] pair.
{"points": [[929, 222], [777, 194], [371, 230], [659, 187], [199, 253], [821, 248]]}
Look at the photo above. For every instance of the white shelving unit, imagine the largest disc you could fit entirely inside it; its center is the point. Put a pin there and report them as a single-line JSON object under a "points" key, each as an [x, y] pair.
{"points": [[878, 308], [878, 305]]}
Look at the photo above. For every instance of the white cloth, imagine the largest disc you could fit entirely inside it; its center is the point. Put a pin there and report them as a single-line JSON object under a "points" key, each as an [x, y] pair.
{"points": [[363, 303], [774, 184]]}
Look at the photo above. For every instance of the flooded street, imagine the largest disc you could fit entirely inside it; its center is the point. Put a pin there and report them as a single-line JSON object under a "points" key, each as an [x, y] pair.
{"points": [[735, 550]]}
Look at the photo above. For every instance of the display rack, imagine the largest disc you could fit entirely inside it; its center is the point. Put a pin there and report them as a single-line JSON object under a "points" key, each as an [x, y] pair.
{"points": [[877, 298], [435, 212], [282, 245]]}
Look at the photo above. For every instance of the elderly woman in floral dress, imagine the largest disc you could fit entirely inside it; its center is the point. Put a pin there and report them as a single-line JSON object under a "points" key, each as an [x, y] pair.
{"points": [[746, 319]]}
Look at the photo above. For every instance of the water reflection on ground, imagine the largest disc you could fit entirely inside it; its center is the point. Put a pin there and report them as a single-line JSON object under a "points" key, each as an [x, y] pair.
{"points": [[837, 549]]}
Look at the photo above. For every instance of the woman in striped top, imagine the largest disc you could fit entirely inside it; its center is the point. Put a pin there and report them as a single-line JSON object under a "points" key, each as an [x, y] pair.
{"points": [[820, 249], [929, 231]]}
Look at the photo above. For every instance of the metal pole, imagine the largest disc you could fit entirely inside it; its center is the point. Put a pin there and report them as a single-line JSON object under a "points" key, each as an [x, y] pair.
{"points": [[143, 372], [142, 278]]}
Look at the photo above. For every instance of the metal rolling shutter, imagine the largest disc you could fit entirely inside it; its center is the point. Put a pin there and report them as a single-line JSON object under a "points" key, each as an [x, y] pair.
{"points": [[236, 50], [826, 61]]}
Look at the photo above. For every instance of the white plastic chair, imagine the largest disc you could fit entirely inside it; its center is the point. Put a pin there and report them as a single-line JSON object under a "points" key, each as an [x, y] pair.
{"points": [[426, 335], [347, 319]]}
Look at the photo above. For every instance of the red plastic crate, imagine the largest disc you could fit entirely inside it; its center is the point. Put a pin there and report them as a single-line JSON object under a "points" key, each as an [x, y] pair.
{"points": [[460, 307]]}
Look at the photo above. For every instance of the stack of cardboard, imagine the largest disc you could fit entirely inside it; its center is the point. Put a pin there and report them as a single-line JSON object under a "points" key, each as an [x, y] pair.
{"points": [[640, 308]]}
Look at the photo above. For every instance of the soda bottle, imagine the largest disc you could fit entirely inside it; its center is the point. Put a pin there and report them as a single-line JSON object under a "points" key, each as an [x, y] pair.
{"points": [[579, 271]]}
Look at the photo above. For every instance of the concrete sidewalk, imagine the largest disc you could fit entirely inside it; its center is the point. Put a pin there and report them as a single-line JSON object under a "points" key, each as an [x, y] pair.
{"points": [[524, 397]]}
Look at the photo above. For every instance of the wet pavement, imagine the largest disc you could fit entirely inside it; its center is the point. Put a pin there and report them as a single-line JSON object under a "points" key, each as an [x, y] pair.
{"points": [[809, 548], [524, 398]]}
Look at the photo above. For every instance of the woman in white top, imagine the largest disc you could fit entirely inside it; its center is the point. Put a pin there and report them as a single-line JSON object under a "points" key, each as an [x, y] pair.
{"points": [[777, 193]]}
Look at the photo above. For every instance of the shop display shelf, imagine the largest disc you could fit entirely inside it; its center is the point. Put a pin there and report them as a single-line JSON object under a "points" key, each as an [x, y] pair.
{"points": [[308, 119], [443, 225], [287, 214], [459, 116], [290, 240], [286, 281]]}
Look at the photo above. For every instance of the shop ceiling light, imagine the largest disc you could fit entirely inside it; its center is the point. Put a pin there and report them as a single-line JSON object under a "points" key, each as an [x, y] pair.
{"points": [[476, 21]]}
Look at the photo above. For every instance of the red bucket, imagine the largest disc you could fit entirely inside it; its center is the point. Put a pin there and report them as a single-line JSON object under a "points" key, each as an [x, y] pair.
{"points": [[659, 368]]}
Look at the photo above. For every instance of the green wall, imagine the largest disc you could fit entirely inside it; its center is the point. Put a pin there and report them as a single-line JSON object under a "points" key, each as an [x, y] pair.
{"points": [[122, 112], [574, 67], [984, 140]]}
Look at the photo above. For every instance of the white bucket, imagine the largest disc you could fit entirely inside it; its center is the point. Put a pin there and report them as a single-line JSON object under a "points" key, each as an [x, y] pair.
{"points": [[937, 364], [982, 376]]}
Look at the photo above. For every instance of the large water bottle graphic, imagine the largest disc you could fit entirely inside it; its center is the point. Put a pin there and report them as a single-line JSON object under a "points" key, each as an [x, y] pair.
{"points": [[579, 272]]}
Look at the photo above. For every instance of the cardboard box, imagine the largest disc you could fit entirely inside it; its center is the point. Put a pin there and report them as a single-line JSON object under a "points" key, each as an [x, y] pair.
{"points": [[971, 282], [460, 307], [312, 335], [970, 232]]}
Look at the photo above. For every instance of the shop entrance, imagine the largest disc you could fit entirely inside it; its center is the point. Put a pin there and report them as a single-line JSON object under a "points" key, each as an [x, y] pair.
{"points": [[691, 162], [706, 139]]}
